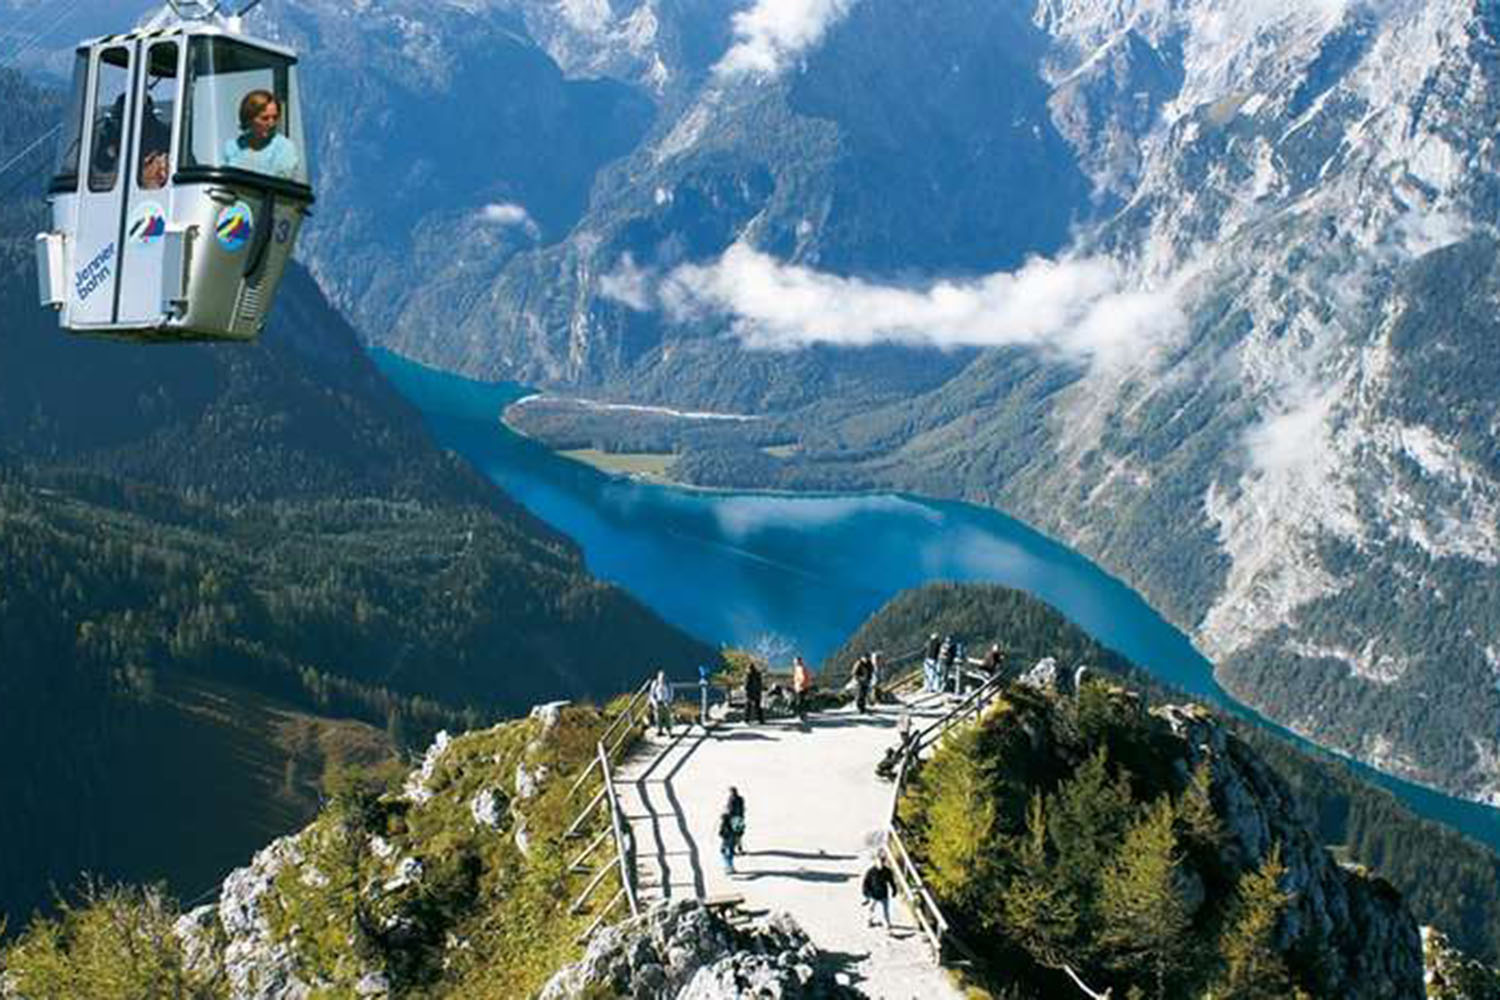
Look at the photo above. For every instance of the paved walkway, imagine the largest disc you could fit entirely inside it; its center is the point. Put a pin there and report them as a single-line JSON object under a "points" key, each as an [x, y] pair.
{"points": [[815, 814]]}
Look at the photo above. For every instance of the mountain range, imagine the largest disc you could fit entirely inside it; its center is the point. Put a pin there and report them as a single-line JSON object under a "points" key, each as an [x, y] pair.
{"points": [[1204, 290]]}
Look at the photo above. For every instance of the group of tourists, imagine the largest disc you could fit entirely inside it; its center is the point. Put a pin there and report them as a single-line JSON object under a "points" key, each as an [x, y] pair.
{"points": [[944, 661]]}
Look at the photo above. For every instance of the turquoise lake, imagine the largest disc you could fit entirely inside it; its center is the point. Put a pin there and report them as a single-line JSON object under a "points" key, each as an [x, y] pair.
{"points": [[739, 568]]}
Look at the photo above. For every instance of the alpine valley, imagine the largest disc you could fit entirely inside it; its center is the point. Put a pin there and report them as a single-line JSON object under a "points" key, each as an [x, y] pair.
{"points": [[1203, 288]]}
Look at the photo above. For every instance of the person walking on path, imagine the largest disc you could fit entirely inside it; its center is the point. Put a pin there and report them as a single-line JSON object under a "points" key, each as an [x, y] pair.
{"points": [[930, 664], [726, 840], [864, 673], [801, 686], [735, 807], [876, 887], [754, 687], [661, 703]]}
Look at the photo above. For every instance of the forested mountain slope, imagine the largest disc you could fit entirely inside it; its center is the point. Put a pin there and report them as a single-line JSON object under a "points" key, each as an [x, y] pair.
{"points": [[209, 549]]}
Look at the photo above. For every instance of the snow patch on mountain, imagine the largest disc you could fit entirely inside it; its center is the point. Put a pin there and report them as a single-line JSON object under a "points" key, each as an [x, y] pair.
{"points": [[1368, 662]]}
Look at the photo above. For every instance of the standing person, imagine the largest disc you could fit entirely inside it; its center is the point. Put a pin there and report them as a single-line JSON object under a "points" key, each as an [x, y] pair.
{"points": [[735, 807], [863, 673], [877, 675], [994, 661], [947, 656], [801, 686], [726, 840], [754, 687], [876, 887], [661, 703], [930, 664]]}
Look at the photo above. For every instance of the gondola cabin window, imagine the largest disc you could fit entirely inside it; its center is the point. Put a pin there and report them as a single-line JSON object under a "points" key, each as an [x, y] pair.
{"points": [[71, 140], [242, 111], [157, 112], [108, 144]]}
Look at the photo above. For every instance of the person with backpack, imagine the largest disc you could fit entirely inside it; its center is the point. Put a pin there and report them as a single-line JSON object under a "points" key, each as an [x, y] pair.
{"points": [[754, 688], [876, 887], [735, 807], [661, 703], [863, 673]]}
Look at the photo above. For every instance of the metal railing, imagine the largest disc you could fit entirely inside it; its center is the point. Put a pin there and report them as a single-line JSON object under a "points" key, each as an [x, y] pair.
{"points": [[929, 915], [611, 741]]}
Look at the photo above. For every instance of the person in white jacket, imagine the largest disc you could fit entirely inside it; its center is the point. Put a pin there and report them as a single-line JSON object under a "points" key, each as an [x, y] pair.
{"points": [[661, 703]]}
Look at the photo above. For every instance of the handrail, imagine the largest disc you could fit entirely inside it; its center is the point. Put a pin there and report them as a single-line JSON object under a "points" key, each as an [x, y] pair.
{"points": [[930, 918], [623, 850], [629, 713], [610, 741]]}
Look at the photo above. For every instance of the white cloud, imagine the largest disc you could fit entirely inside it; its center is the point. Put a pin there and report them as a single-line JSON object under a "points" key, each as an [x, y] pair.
{"points": [[772, 33], [1294, 442], [508, 213], [1079, 308], [630, 284]]}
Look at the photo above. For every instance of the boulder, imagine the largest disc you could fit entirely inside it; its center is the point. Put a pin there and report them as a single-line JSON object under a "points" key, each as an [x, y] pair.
{"points": [[685, 951]]}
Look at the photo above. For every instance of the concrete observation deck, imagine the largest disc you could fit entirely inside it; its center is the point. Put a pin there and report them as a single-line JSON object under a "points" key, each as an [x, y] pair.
{"points": [[816, 814]]}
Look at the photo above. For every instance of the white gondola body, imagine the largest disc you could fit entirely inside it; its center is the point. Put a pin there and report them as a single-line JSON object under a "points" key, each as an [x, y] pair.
{"points": [[195, 248]]}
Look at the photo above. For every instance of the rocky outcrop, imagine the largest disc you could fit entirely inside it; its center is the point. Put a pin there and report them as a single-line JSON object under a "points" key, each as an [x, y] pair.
{"points": [[256, 964], [686, 951], [1367, 942], [417, 783]]}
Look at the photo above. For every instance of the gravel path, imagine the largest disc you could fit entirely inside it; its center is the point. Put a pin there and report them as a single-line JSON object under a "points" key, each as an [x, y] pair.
{"points": [[815, 812]]}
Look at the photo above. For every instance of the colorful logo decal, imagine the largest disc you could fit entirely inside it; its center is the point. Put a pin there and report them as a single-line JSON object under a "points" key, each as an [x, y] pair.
{"points": [[148, 225], [235, 226]]}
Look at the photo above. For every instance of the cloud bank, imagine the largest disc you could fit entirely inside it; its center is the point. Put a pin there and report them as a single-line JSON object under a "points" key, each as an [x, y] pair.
{"points": [[1082, 309], [772, 33]]}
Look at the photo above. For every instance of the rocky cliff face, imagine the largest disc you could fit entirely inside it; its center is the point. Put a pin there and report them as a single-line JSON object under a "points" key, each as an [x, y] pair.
{"points": [[1345, 933], [685, 951]]}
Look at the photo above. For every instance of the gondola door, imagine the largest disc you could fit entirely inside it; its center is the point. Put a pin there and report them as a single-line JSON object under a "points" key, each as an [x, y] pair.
{"points": [[145, 299], [94, 265]]}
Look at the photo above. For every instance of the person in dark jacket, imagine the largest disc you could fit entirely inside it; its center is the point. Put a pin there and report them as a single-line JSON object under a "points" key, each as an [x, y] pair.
{"points": [[994, 660], [754, 687], [726, 840], [930, 663], [876, 887], [864, 674], [735, 807]]}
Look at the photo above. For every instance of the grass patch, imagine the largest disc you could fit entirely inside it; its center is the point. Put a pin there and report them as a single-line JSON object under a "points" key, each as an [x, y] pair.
{"points": [[640, 465]]}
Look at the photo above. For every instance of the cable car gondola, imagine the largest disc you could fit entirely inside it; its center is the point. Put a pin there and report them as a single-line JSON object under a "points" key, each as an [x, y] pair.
{"points": [[181, 181]]}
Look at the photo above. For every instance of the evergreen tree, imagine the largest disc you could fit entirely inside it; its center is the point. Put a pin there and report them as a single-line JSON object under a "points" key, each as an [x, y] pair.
{"points": [[960, 822], [1038, 911], [1085, 822], [1254, 969], [1146, 922]]}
